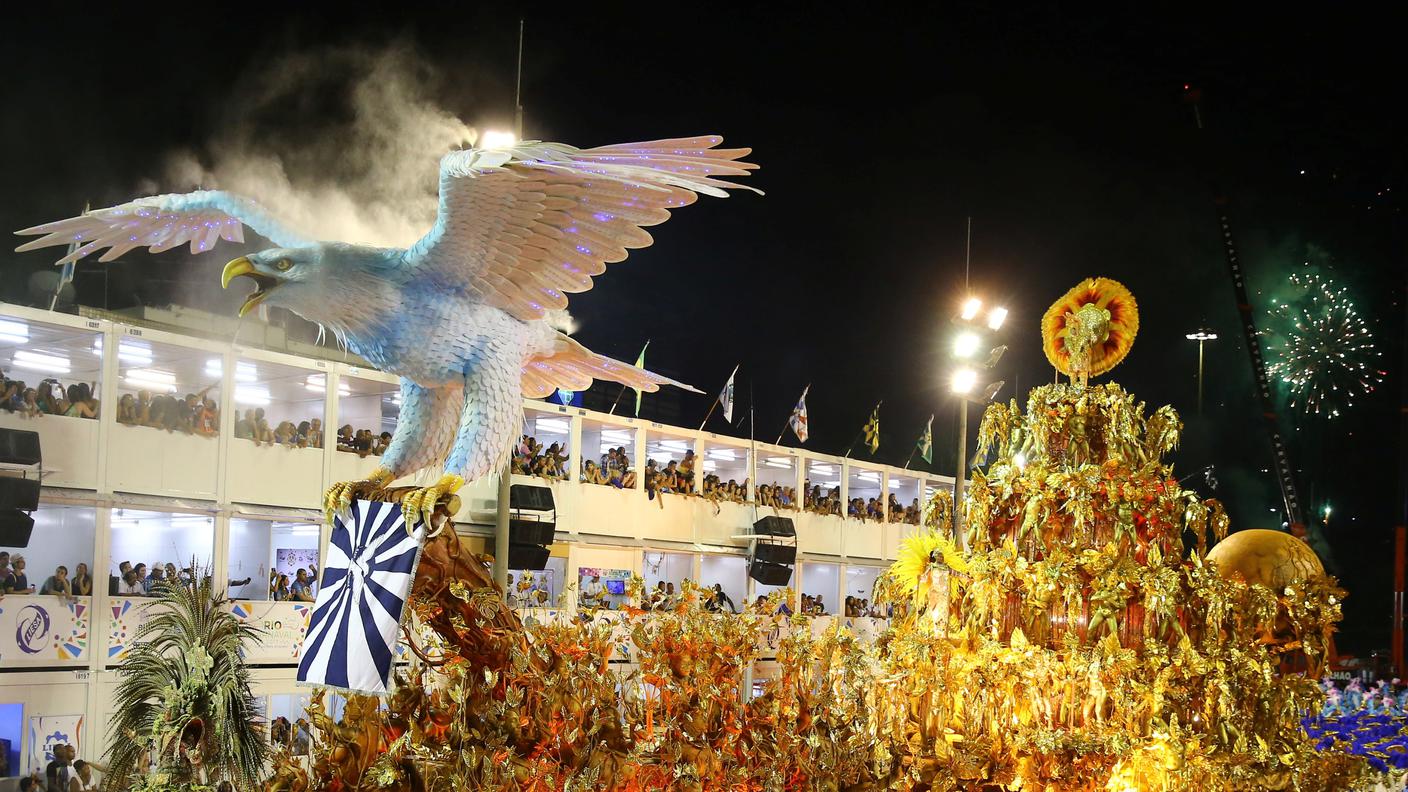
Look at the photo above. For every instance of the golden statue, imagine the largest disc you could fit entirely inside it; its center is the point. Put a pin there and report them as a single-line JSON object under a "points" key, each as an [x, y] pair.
{"points": [[1090, 329]]}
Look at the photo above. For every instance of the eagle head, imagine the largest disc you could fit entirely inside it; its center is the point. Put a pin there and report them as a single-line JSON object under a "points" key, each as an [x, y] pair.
{"points": [[286, 277]]}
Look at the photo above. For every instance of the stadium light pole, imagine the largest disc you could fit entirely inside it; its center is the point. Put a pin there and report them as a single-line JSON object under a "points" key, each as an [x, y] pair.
{"points": [[1202, 336], [968, 345]]}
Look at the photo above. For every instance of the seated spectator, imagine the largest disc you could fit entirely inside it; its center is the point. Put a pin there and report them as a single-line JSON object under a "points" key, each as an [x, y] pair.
{"points": [[131, 585], [51, 397], [127, 410], [383, 442], [15, 581], [315, 433], [58, 583], [652, 479], [591, 474], [362, 442], [345, 438], [300, 434], [156, 578], [82, 582]]}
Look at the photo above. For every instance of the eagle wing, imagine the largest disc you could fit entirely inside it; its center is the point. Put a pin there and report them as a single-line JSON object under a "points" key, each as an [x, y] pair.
{"points": [[523, 227], [568, 364], [162, 222]]}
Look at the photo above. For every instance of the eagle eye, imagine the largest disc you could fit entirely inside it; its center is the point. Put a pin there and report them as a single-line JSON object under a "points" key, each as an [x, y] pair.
{"points": [[283, 265]]}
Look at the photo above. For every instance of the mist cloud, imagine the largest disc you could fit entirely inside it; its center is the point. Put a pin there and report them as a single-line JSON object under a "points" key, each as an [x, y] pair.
{"points": [[341, 144]]}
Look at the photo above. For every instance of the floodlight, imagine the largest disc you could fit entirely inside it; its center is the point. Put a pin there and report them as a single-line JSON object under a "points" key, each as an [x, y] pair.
{"points": [[966, 344], [996, 317], [971, 307], [963, 380], [497, 139]]}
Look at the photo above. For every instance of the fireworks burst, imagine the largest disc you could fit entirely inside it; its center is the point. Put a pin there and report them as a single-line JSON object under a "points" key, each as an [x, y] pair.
{"points": [[1321, 347]]}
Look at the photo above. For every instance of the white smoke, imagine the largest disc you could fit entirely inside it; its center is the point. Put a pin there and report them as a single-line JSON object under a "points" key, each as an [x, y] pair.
{"points": [[340, 144]]}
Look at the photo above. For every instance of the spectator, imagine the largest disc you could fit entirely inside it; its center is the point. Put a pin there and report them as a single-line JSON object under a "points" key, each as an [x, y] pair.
{"points": [[84, 780], [4, 569], [28, 405], [80, 402], [718, 600], [131, 585], [16, 582], [58, 583], [283, 433], [591, 474], [262, 433], [114, 581], [207, 418], [82, 582], [593, 593], [684, 481], [281, 589], [315, 433], [383, 442], [244, 429], [302, 588], [127, 410], [156, 577], [345, 438], [49, 402]]}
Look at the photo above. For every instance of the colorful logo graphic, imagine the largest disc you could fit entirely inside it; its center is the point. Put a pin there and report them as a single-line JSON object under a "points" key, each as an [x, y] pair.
{"points": [[31, 628]]}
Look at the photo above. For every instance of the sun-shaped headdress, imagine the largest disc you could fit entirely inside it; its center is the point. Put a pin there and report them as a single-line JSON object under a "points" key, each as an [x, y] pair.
{"points": [[1090, 329]]}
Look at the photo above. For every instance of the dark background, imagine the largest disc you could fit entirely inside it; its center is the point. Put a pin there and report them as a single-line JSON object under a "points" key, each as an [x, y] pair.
{"points": [[1064, 137]]}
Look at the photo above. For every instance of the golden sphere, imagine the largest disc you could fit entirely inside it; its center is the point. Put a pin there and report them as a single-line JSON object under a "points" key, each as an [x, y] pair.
{"points": [[1271, 558]]}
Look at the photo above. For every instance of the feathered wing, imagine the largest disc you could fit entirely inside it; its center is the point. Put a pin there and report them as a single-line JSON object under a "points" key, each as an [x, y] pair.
{"points": [[162, 222], [568, 364], [524, 227]]}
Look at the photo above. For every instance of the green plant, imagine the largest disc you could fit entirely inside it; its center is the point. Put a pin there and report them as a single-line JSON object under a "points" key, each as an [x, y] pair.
{"points": [[184, 696]]}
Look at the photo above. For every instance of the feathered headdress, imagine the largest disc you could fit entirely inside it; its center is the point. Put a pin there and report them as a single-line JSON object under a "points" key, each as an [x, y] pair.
{"points": [[1091, 328], [916, 555]]}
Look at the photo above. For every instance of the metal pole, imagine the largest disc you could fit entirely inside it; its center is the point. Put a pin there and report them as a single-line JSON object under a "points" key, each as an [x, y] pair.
{"points": [[518, 88], [960, 473], [501, 531], [1200, 376]]}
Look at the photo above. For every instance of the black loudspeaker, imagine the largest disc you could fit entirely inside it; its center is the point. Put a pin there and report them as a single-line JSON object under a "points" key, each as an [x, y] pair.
{"points": [[527, 496], [775, 553], [775, 526], [19, 447], [527, 556], [533, 532], [19, 493], [15, 528], [770, 574]]}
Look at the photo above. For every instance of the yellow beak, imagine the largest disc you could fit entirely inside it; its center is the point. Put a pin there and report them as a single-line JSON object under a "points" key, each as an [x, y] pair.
{"points": [[236, 268], [263, 283]]}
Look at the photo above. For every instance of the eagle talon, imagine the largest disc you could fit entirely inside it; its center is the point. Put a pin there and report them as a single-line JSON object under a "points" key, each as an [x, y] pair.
{"points": [[338, 499], [424, 500]]}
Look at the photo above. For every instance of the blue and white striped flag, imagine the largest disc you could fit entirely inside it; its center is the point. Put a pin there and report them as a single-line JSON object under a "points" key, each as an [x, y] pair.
{"points": [[367, 579]]}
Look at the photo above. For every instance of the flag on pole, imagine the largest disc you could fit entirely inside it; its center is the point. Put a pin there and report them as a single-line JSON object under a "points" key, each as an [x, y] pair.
{"points": [[640, 364], [926, 442], [726, 396], [798, 421], [872, 430]]}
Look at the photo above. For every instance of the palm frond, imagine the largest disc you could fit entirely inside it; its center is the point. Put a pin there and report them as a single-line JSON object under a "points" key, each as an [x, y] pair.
{"points": [[186, 667]]}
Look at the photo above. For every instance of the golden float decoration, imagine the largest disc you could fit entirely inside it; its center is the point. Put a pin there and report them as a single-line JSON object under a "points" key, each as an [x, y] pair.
{"points": [[1067, 642]]}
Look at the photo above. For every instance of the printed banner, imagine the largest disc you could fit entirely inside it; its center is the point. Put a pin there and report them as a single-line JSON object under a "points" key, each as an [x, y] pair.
{"points": [[283, 624], [43, 630], [48, 731]]}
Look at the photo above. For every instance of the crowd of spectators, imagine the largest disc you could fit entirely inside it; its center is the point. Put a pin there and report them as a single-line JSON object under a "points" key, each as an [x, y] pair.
{"points": [[291, 736], [143, 581], [531, 459], [14, 579], [195, 413], [303, 587], [49, 397], [858, 606]]}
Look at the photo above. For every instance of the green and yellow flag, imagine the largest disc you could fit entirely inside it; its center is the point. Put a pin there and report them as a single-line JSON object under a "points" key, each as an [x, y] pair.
{"points": [[926, 442], [872, 430], [640, 364]]}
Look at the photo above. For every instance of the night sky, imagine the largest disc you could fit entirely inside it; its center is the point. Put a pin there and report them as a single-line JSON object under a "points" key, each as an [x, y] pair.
{"points": [[1066, 139]]}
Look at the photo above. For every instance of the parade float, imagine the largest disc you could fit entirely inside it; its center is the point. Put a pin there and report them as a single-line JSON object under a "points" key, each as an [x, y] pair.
{"points": [[1078, 636]]}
